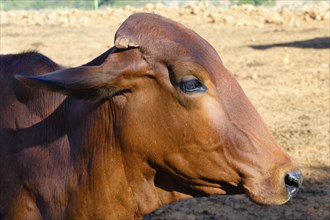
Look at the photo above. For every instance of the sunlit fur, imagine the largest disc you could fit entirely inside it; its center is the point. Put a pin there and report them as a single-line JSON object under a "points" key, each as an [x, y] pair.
{"points": [[127, 139]]}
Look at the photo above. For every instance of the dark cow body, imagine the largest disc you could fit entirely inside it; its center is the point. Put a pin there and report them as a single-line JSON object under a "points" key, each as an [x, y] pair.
{"points": [[155, 119]]}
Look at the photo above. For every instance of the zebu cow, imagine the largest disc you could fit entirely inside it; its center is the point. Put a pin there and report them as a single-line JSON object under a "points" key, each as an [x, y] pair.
{"points": [[155, 119]]}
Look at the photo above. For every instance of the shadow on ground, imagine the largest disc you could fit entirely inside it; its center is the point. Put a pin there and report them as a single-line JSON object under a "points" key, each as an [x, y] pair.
{"points": [[315, 43]]}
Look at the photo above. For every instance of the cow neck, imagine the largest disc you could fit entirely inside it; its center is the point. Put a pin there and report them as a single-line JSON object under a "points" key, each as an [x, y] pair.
{"points": [[102, 190]]}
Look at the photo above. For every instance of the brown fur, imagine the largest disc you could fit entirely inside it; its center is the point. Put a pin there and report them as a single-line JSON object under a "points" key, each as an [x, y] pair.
{"points": [[138, 142]]}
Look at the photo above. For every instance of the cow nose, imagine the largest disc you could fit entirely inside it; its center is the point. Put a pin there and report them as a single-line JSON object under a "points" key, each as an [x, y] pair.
{"points": [[293, 181]]}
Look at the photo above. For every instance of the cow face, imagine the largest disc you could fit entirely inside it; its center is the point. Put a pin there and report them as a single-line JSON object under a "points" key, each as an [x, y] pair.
{"points": [[183, 113]]}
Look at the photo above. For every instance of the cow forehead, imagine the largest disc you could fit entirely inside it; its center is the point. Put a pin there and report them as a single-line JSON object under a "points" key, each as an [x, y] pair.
{"points": [[168, 42]]}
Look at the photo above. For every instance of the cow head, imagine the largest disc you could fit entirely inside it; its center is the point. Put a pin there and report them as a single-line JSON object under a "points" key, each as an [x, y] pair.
{"points": [[183, 114]]}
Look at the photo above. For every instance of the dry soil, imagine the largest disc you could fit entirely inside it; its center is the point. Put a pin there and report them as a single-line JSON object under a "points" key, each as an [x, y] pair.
{"points": [[279, 56]]}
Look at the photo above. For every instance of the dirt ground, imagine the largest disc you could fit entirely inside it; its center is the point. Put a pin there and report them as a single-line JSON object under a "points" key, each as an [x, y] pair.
{"points": [[280, 57]]}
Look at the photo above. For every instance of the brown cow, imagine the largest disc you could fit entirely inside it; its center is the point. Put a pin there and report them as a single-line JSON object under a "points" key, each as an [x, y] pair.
{"points": [[155, 119]]}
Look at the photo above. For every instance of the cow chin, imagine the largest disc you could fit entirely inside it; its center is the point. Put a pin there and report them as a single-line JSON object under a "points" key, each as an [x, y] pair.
{"points": [[265, 198]]}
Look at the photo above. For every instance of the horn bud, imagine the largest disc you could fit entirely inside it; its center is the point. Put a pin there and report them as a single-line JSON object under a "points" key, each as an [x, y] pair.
{"points": [[124, 43]]}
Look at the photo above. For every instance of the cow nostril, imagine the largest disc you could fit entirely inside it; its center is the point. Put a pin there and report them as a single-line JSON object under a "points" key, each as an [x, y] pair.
{"points": [[293, 181]]}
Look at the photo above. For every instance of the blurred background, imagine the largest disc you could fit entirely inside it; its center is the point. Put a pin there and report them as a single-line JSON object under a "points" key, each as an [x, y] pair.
{"points": [[278, 50], [95, 4]]}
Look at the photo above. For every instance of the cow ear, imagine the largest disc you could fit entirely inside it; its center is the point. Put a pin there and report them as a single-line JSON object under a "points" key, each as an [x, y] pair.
{"points": [[81, 82], [92, 82]]}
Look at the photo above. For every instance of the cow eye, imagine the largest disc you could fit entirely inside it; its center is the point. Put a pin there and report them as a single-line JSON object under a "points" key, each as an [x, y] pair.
{"points": [[192, 85]]}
